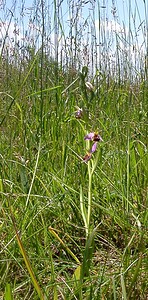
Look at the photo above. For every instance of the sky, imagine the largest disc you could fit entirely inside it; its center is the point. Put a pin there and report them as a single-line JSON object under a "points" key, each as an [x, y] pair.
{"points": [[116, 16], [106, 8]]}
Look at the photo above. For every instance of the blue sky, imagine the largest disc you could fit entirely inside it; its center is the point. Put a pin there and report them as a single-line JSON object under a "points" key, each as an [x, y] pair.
{"points": [[106, 7], [111, 16]]}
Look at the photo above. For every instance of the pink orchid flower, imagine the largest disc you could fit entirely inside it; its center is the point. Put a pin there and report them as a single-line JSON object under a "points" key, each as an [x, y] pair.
{"points": [[92, 136]]}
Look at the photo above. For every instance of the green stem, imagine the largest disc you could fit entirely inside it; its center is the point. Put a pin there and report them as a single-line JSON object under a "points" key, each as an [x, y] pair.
{"points": [[91, 168], [83, 210], [89, 195]]}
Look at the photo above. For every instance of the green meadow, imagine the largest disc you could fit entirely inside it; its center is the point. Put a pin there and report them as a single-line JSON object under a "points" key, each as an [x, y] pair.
{"points": [[73, 209]]}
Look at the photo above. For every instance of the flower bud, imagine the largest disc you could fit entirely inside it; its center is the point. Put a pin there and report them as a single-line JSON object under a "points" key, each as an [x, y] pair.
{"points": [[89, 86]]}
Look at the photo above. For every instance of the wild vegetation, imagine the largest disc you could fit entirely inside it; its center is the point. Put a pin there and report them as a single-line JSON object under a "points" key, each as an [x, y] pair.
{"points": [[73, 208]]}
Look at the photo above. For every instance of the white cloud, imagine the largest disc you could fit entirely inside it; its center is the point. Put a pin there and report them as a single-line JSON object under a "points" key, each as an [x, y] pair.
{"points": [[114, 35], [109, 26]]}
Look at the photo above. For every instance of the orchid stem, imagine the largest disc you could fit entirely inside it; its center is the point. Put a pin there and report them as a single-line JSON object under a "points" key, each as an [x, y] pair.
{"points": [[90, 173]]}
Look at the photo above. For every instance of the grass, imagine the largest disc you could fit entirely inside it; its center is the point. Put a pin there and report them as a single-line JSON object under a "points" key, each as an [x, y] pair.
{"points": [[70, 229]]}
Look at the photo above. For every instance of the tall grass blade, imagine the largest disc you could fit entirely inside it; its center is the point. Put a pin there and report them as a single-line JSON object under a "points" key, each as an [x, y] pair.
{"points": [[133, 281], [53, 279], [8, 292], [52, 231], [88, 254], [26, 260], [33, 177], [124, 295], [19, 90]]}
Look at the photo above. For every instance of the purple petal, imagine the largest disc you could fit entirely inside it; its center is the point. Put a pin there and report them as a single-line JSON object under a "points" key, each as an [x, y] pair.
{"points": [[89, 136], [94, 147]]}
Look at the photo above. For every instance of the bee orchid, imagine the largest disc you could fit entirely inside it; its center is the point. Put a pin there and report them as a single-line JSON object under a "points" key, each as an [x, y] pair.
{"points": [[87, 157], [79, 113], [93, 136]]}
